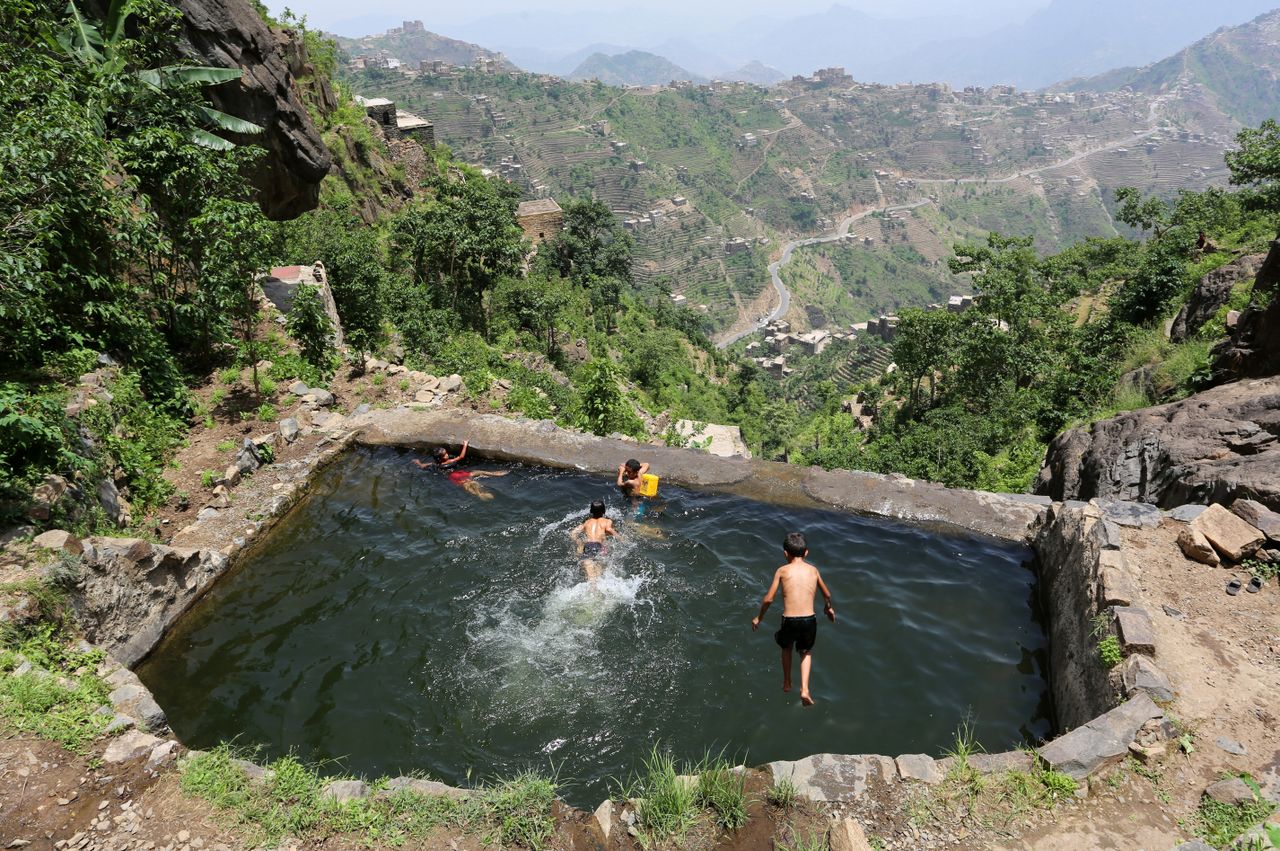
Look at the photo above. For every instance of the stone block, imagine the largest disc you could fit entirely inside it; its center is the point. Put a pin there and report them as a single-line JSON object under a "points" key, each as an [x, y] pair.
{"points": [[1231, 746], [323, 398], [343, 791], [231, 477], [299, 388], [1232, 791], [1136, 515], [131, 745], [847, 835], [1117, 587], [162, 753], [1133, 626], [1230, 536], [451, 384], [425, 788], [918, 766], [835, 777], [1141, 674], [137, 702], [289, 429], [997, 763], [1259, 517], [58, 540], [602, 819], [424, 396], [1196, 547], [1109, 535], [1187, 513], [1102, 742]]}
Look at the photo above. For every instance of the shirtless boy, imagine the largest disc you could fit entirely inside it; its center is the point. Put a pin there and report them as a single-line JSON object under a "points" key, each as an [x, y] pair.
{"points": [[629, 475], [595, 529], [800, 581]]}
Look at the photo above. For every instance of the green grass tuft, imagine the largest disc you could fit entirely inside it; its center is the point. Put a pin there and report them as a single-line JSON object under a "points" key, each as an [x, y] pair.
{"points": [[723, 791], [782, 793]]}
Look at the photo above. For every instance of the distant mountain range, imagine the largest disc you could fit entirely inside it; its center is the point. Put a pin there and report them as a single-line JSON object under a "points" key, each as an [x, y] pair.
{"points": [[1235, 66], [416, 45], [633, 68], [1065, 39]]}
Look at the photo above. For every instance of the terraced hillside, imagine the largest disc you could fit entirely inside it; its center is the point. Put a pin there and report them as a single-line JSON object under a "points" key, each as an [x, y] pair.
{"points": [[714, 179]]}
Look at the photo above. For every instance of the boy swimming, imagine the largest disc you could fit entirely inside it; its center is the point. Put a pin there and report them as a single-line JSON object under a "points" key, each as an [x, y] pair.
{"points": [[595, 529], [464, 479], [800, 581], [629, 476]]}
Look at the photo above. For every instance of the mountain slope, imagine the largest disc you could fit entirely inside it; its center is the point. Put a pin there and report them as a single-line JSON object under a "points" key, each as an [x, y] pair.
{"points": [[1070, 38], [414, 46], [633, 68], [1236, 67], [757, 72]]}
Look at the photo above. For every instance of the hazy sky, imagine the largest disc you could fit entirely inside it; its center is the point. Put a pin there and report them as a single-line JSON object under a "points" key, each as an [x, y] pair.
{"points": [[441, 16]]}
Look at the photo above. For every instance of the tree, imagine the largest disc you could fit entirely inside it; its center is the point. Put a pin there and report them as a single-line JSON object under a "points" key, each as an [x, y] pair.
{"points": [[590, 243], [604, 409], [310, 327], [533, 304], [1257, 162], [1150, 214], [238, 240], [924, 345], [459, 242]]}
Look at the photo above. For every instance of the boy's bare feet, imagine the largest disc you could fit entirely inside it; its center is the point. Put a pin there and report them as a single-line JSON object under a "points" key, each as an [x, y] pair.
{"points": [[806, 699], [786, 685]]}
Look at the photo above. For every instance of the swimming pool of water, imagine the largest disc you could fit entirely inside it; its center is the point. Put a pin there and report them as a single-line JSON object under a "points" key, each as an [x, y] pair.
{"points": [[396, 623]]}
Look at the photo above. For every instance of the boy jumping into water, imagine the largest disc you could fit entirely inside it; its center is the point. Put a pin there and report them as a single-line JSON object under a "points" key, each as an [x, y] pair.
{"points": [[464, 479], [595, 529], [800, 581]]}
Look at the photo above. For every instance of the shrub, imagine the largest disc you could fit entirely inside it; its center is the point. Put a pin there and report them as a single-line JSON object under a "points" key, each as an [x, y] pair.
{"points": [[267, 412], [1109, 652], [309, 325]]}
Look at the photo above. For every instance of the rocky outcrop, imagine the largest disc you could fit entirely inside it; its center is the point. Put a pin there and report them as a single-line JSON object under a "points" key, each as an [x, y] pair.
{"points": [[1211, 293], [131, 591], [1212, 447], [231, 34], [1253, 350]]}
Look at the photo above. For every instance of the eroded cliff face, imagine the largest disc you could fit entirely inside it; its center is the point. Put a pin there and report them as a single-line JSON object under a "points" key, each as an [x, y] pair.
{"points": [[1215, 446], [230, 34], [1254, 347]]}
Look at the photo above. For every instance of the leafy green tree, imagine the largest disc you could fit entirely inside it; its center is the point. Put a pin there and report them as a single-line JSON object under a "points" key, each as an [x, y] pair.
{"points": [[239, 237], [604, 409], [459, 242], [534, 304], [310, 327], [925, 345], [1257, 162], [591, 244], [1149, 214]]}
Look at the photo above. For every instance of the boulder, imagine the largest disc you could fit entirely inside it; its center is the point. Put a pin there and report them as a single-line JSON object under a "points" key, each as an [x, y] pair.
{"points": [[247, 458], [921, 767], [231, 34], [1136, 515], [231, 476], [116, 506], [1138, 673], [162, 753], [1212, 447], [133, 744], [1259, 517], [419, 786], [1229, 535], [221, 498], [1211, 293], [343, 791], [1231, 746], [602, 820], [1253, 350], [45, 496], [135, 701], [56, 539], [1232, 791], [1102, 742], [299, 388], [451, 384], [1196, 546], [323, 398], [847, 835], [835, 777], [289, 430], [1133, 626], [424, 397], [1187, 513]]}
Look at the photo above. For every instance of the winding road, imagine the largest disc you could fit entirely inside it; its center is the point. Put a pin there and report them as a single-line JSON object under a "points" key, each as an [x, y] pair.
{"points": [[775, 268]]}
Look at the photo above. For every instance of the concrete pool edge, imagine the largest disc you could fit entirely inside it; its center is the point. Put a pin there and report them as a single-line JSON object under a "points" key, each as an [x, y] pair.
{"points": [[133, 591]]}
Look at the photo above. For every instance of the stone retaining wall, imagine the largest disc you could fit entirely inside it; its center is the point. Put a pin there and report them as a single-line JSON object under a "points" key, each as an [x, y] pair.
{"points": [[133, 591]]}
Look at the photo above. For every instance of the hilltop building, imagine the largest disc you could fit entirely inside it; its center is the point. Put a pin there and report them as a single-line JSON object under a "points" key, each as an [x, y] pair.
{"points": [[398, 124], [540, 220]]}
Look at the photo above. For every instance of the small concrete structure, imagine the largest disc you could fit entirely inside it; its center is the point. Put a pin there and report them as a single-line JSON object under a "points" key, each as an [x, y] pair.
{"points": [[720, 440], [281, 286], [540, 220]]}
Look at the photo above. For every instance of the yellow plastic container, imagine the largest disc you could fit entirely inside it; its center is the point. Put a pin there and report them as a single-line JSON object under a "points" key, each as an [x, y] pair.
{"points": [[648, 485]]}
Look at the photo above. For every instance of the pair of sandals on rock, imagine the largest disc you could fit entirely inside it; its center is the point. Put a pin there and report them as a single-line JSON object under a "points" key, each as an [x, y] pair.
{"points": [[1254, 586]]}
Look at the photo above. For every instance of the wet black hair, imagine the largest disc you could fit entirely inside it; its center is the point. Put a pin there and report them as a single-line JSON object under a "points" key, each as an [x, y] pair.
{"points": [[440, 453], [632, 464], [794, 545], [597, 508]]}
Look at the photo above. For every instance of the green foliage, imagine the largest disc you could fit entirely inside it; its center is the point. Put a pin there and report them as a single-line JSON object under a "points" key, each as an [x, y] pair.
{"points": [[310, 327], [1256, 162], [783, 792], [604, 409], [668, 805], [1109, 652], [58, 697], [1218, 823], [513, 812], [138, 437], [208, 478], [267, 412], [723, 790]]}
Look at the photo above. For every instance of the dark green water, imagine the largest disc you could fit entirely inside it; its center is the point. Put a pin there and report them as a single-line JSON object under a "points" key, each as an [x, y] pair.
{"points": [[396, 623]]}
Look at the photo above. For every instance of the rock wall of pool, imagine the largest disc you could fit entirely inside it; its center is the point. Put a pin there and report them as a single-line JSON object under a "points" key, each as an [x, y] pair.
{"points": [[384, 617]]}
